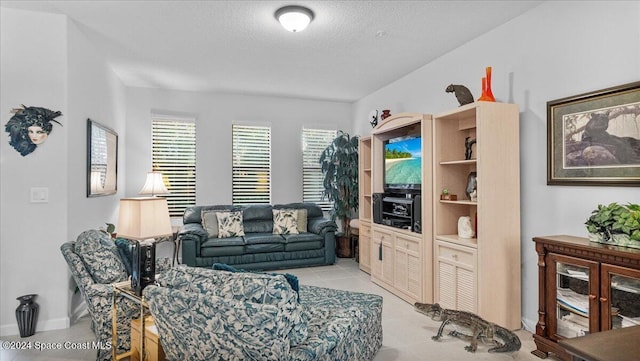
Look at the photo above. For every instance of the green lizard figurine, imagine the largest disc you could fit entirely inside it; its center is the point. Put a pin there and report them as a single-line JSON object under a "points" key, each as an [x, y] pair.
{"points": [[480, 328]]}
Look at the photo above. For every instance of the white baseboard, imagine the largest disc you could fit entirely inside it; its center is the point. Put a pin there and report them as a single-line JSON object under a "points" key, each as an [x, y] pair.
{"points": [[529, 325], [80, 311], [48, 325]]}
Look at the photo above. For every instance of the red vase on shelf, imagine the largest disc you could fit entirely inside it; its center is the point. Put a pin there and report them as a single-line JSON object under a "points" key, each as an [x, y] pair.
{"points": [[487, 94], [386, 113]]}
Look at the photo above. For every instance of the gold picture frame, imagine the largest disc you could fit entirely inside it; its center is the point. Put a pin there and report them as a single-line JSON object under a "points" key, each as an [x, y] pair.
{"points": [[594, 138]]}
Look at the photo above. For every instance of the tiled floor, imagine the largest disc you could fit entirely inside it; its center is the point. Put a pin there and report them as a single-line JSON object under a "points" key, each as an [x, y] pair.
{"points": [[407, 334]]}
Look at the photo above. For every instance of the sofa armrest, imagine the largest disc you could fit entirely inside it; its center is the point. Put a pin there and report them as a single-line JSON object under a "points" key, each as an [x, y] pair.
{"points": [[190, 249], [80, 274], [195, 229], [99, 290], [191, 236], [325, 228], [321, 225], [100, 302]]}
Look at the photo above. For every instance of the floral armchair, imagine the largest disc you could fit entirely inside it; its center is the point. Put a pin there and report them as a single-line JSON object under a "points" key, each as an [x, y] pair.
{"points": [[95, 264], [203, 314]]}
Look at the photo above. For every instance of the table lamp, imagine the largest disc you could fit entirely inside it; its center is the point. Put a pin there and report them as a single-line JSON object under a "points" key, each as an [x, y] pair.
{"points": [[142, 220], [154, 185]]}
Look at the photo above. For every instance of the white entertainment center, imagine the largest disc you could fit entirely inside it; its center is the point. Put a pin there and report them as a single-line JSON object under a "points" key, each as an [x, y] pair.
{"points": [[409, 240]]}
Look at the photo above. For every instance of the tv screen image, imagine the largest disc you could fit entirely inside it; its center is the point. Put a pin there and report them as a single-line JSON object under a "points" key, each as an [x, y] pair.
{"points": [[403, 163]]}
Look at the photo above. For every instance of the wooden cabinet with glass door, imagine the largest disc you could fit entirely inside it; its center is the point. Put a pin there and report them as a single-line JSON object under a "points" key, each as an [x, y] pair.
{"points": [[584, 287], [619, 296], [572, 303]]}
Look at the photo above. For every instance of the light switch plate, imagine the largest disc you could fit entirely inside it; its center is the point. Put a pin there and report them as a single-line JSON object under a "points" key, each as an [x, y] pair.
{"points": [[40, 195]]}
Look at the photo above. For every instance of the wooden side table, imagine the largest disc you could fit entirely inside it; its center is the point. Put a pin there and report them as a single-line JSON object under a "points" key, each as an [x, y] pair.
{"points": [[621, 344], [124, 289], [153, 348]]}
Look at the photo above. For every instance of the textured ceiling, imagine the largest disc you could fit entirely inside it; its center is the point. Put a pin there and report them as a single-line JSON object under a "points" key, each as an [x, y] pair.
{"points": [[350, 49]]}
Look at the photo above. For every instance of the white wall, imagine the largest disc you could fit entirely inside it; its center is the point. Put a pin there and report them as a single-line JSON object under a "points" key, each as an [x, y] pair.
{"points": [[48, 62], [214, 113], [95, 92], [33, 70], [556, 50]]}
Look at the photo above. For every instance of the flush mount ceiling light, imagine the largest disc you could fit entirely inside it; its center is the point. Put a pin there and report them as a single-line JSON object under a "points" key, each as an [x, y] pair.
{"points": [[294, 18]]}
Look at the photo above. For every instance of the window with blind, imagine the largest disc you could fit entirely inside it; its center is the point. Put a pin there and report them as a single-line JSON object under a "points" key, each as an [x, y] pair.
{"points": [[251, 164], [314, 141], [174, 155]]}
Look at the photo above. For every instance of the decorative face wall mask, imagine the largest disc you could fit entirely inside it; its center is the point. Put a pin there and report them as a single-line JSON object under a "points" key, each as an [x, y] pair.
{"points": [[29, 127]]}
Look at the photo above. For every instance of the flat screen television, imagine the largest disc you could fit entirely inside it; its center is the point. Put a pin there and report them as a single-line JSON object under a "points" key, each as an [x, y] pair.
{"points": [[403, 164]]}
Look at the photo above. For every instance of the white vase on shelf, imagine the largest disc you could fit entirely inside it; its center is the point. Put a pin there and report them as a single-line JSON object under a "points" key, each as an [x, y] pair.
{"points": [[464, 227]]}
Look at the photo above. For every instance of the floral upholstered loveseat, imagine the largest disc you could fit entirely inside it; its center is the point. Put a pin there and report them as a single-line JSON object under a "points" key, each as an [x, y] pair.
{"points": [[96, 262], [205, 314]]}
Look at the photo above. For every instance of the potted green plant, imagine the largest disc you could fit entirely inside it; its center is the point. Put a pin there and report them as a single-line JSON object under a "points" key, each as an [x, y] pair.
{"points": [[446, 195], [628, 222], [602, 219], [339, 162], [615, 224], [110, 229]]}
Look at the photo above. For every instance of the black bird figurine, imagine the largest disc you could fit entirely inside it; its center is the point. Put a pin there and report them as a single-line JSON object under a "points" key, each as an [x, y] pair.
{"points": [[462, 93], [468, 143]]}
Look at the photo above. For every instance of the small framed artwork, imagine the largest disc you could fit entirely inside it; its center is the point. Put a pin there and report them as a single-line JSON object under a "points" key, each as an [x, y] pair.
{"points": [[102, 160], [594, 138]]}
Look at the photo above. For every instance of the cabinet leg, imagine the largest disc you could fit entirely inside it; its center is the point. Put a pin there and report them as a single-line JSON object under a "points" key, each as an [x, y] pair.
{"points": [[540, 354]]}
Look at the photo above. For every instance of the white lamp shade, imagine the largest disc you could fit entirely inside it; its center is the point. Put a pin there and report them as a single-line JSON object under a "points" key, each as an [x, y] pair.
{"points": [[294, 18], [143, 218], [154, 185]]}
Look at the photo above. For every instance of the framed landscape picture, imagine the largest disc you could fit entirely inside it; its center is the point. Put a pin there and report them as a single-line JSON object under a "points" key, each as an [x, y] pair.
{"points": [[594, 138]]}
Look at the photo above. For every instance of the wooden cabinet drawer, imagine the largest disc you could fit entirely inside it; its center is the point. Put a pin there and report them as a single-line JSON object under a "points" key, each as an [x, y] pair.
{"points": [[365, 230], [380, 236], [408, 243], [456, 254]]}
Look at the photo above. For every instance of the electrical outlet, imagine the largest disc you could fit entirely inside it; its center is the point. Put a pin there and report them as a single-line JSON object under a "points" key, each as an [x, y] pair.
{"points": [[40, 195]]}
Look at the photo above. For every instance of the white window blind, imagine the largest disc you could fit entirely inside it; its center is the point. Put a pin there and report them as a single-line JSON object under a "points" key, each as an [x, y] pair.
{"points": [[251, 164], [314, 141], [174, 155]]}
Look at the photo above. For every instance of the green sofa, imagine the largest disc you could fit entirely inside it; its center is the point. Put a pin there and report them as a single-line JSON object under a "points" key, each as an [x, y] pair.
{"points": [[259, 248]]}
